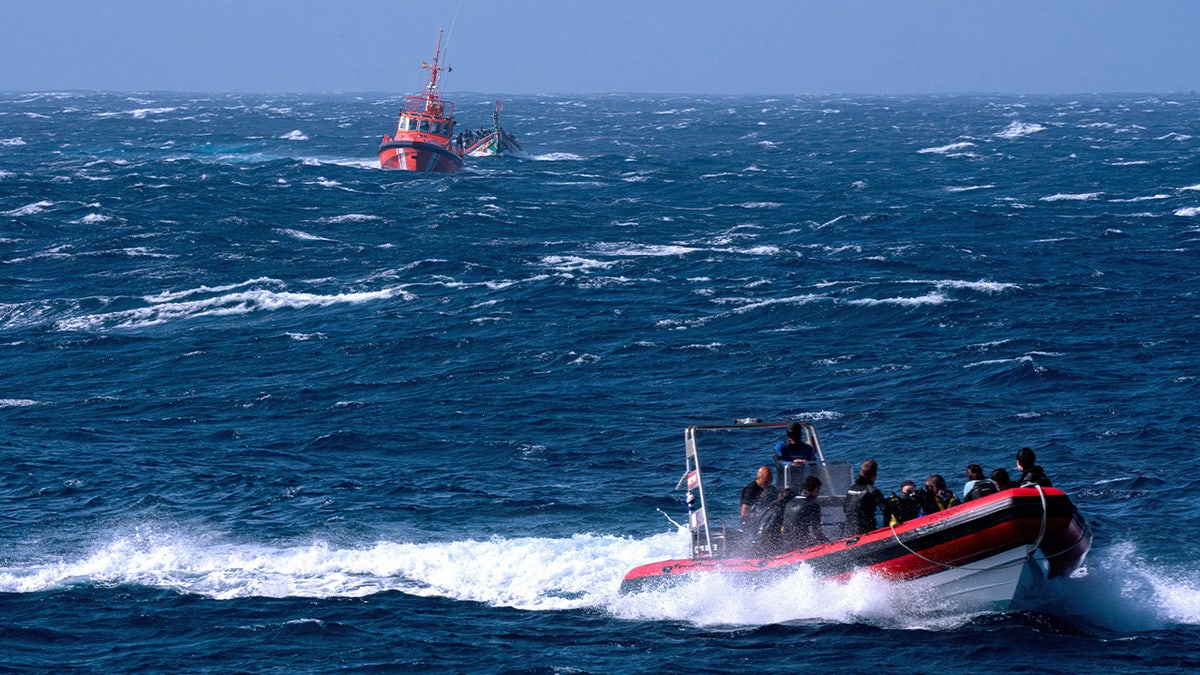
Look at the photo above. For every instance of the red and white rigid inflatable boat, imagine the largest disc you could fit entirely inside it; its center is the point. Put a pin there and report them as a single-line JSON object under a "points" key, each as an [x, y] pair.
{"points": [[984, 553]]}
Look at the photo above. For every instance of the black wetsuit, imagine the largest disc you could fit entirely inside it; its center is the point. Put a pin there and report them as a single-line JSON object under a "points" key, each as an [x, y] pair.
{"points": [[1034, 475], [757, 497], [802, 523], [862, 500]]}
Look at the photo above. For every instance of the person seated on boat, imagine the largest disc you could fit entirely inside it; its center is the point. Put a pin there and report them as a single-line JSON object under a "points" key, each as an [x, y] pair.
{"points": [[1031, 473], [863, 499], [793, 449], [977, 486], [757, 495], [1001, 479], [904, 506], [802, 517], [768, 531], [936, 496]]}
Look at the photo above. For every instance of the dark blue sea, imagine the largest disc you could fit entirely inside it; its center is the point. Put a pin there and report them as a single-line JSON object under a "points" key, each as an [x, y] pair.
{"points": [[267, 408]]}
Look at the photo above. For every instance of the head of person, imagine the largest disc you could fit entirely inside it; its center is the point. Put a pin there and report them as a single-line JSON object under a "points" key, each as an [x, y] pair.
{"points": [[795, 434], [1000, 477], [1026, 459], [935, 483], [812, 485], [974, 472], [764, 476], [869, 470], [908, 487]]}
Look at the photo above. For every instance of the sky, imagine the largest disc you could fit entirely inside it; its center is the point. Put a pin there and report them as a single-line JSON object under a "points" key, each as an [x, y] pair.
{"points": [[607, 46]]}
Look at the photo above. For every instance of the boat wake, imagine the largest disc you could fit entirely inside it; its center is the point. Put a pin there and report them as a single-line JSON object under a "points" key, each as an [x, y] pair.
{"points": [[1116, 592]]}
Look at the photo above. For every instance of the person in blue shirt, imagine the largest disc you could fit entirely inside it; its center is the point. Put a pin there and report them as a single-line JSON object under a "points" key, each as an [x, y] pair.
{"points": [[793, 449]]}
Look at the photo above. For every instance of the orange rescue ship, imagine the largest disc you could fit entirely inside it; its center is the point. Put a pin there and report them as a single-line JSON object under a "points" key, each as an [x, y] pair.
{"points": [[422, 139]]}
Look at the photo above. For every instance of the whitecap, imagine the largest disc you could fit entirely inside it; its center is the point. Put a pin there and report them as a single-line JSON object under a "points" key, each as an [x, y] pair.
{"points": [[927, 299], [16, 402], [229, 304], [29, 209], [349, 218], [10, 142], [1067, 197], [969, 188], [299, 234], [92, 218], [1018, 129], [294, 135], [946, 149], [1188, 212]]}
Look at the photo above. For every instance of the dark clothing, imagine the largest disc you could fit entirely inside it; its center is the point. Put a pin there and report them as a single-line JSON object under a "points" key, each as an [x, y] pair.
{"points": [[802, 523], [904, 507], [862, 500], [932, 502], [768, 535], [757, 498], [978, 488], [1034, 476], [787, 452]]}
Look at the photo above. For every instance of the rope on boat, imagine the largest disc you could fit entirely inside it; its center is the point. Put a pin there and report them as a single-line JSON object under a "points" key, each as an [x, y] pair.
{"points": [[1028, 554]]}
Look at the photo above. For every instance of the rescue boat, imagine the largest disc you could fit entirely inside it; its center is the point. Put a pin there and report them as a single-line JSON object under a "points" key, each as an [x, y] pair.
{"points": [[495, 142], [422, 141], [989, 553]]}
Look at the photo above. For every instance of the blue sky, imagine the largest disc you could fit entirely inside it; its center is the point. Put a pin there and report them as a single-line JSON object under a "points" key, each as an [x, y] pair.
{"points": [[571, 46]]}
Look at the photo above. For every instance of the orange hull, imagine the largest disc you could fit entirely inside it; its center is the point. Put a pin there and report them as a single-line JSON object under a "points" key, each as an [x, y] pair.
{"points": [[423, 156]]}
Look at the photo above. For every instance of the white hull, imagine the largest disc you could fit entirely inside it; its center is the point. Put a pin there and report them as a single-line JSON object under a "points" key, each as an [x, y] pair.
{"points": [[991, 584]]}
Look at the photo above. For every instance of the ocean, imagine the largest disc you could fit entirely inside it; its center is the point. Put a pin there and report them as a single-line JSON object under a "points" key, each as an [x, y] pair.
{"points": [[268, 408]]}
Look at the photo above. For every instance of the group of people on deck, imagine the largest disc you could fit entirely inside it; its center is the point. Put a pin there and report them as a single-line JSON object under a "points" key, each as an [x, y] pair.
{"points": [[786, 520]]}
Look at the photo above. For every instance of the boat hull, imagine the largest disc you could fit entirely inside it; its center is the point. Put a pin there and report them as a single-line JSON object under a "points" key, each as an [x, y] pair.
{"points": [[493, 144], [422, 156], [991, 549]]}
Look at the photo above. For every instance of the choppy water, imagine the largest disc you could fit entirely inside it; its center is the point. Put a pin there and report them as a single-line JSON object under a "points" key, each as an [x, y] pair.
{"points": [[268, 408]]}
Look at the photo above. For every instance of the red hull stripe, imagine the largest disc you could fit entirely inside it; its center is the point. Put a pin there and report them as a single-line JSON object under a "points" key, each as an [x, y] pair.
{"points": [[957, 536]]}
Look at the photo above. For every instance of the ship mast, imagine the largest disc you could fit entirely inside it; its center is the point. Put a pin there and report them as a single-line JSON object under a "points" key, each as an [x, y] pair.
{"points": [[432, 87]]}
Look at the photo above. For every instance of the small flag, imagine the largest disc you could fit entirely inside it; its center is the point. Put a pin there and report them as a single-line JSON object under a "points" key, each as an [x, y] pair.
{"points": [[693, 478]]}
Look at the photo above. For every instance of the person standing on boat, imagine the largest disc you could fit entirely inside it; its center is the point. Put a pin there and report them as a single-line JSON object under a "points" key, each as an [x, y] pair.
{"points": [[863, 499], [758, 494], [802, 517], [793, 448], [1031, 473]]}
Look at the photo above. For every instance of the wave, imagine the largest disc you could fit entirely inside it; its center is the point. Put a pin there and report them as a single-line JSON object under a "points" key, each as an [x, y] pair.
{"points": [[168, 308], [1115, 590], [953, 148], [294, 135], [29, 209], [1188, 212], [1067, 197], [1018, 129]]}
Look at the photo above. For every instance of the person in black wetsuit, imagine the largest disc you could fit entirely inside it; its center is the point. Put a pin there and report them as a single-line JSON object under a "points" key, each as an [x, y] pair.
{"points": [[936, 496], [863, 499], [802, 517], [757, 495], [1031, 473], [1001, 479], [768, 532]]}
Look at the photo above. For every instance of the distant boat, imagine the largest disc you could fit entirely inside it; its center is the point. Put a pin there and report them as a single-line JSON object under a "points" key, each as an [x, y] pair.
{"points": [[422, 139], [494, 142]]}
